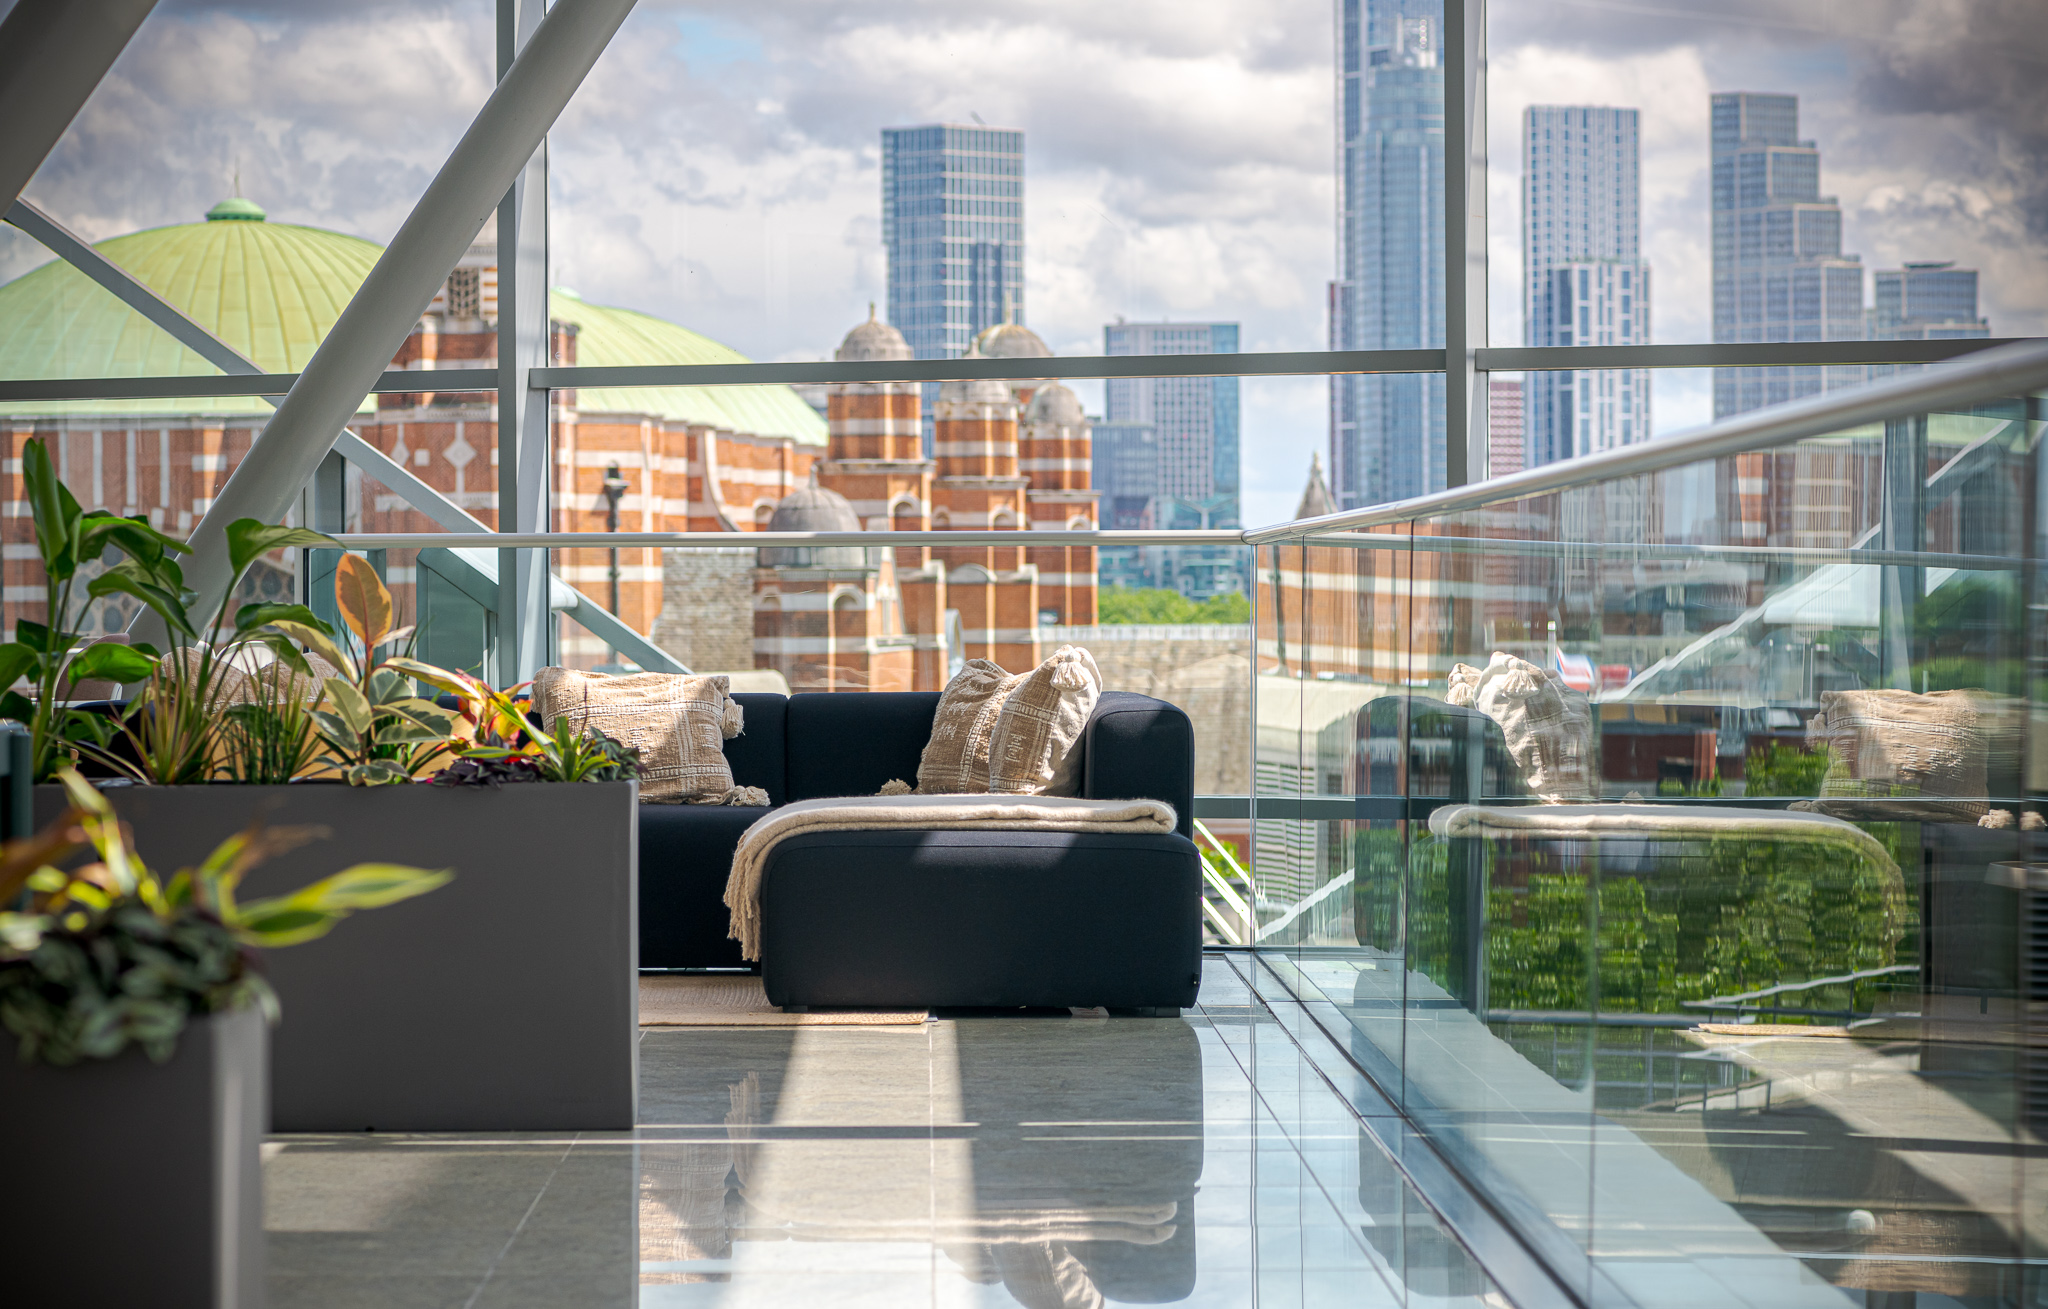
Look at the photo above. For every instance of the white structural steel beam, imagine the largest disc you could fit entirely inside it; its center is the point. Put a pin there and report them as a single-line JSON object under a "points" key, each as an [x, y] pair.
{"points": [[523, 410], [53, 53], [1463, 54], [360, 346]]}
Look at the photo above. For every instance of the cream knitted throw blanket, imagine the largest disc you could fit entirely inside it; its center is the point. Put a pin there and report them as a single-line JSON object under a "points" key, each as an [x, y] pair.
{"points": [[979, 813]]}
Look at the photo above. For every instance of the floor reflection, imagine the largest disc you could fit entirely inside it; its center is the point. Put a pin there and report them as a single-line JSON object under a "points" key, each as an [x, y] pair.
{"points": [[1054, 1158], [1052, 1162]]}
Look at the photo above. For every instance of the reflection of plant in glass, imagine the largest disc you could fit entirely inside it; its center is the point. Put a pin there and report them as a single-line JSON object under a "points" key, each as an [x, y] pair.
{"points": [[110, 952], [1730, 915], [1780, 769], [376, 729]]}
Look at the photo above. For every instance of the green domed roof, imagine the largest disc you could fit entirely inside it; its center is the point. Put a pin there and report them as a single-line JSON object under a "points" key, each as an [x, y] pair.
{"points": [[235, 208], [608, 337], [272, 291]]}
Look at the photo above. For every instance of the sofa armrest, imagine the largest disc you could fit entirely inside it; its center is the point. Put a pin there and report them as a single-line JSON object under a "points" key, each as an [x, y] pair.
{"points": [[1139, 748]]}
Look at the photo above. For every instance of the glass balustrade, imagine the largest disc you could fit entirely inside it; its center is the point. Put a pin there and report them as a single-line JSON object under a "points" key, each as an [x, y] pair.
{"points": [[1669, 846]]}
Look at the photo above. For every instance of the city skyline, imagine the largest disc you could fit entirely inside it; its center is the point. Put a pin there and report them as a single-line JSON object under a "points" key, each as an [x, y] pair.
{"points": [[1387, 430], [1189, 426], [1585, 281]]}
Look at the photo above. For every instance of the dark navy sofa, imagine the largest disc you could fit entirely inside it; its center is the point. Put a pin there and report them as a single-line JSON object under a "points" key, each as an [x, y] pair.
{"points": [[936, 919]]}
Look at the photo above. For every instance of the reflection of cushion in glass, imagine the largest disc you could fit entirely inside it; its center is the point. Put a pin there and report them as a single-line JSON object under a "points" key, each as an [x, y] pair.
{"points": [[678, 723], [1548, 726], [1031, 751], [955, 760], [1888, 744]]}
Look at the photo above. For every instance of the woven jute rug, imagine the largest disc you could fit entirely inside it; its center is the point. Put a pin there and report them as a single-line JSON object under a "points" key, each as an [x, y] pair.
{"points": [[739, 1001]]}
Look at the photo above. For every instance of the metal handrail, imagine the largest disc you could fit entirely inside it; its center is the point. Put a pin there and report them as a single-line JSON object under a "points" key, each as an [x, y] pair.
{"points": [[1026, 538], [1991, 374]]}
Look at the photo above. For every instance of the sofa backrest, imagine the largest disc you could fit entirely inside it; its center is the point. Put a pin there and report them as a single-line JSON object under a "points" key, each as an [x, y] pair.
{"points": [[759, 755], [850, 743], [1139, 748]]}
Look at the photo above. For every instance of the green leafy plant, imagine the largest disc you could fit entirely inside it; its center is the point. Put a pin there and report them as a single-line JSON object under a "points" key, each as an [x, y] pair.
{"points": [[375, 727], [269, 739], [508, 749], [47, 653], [1780, 769], [175, 729], [110, 953], [170, 727]]}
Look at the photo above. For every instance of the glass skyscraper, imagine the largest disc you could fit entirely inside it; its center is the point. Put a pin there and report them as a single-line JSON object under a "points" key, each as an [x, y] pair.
{"points": [[1387, 430], [1190, 425], [1779, 270], [1584, 278], [953, 222]]}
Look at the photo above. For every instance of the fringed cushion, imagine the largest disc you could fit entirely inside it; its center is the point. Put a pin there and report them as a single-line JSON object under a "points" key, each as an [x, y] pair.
{"points": [[955, 759], [679, 723], [1032, 751]]}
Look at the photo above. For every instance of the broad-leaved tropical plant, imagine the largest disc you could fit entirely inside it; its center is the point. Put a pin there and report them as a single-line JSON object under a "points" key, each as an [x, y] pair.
{"points": [[110, 952], [170, 727], [377, 729], [508, 748]]}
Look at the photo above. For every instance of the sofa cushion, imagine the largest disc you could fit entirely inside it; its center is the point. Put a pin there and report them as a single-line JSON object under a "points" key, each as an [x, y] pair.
{"points": [[893, 919], [1139, 748], [1035, 749], [955, 760], [678, 722], [850, 743], [685, 858]]}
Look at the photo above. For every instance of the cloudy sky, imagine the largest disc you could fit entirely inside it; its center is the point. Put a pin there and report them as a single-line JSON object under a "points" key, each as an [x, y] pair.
{"points": [[720, 167]]}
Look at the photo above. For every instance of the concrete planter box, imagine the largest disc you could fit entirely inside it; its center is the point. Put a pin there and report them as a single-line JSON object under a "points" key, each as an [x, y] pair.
{"points": [[506, 1000], [132, 1183]]}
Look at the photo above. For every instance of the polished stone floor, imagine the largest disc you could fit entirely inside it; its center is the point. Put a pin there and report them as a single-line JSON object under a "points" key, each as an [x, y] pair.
{"points": [[1055, 1162]]}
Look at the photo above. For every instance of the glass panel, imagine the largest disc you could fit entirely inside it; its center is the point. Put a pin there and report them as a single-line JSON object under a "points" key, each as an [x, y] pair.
{"points": [[1716, 887]]}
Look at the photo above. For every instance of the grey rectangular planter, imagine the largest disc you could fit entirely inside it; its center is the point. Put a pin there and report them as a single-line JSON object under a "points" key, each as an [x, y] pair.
{"points": [[133, 1183], [506, 1000]]}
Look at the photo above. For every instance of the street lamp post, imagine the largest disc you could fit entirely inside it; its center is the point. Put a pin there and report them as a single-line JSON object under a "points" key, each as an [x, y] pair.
{"points": [[614, 490]]}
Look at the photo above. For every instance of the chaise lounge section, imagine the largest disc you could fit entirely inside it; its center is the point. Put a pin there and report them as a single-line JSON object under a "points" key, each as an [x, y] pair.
{"points": [[936, 918]]}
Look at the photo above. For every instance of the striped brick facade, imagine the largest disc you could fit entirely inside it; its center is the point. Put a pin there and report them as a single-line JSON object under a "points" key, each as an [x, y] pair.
{"points": [[1007, 456]]}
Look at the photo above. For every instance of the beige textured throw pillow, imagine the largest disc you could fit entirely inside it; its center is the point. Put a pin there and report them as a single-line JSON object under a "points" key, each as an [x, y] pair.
{"points": [[1032, 749], [678, 722], [955, 759], [1547, 725]]}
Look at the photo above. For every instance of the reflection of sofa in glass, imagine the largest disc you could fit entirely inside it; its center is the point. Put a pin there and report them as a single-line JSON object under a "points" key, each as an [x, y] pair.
{"points": [[1055, 1157], [1640, 908], [1086, 1158], [1411, 754]]}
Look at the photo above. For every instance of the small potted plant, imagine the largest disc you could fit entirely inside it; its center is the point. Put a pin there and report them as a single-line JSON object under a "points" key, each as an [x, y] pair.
{"points": [[136, 1015]]}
